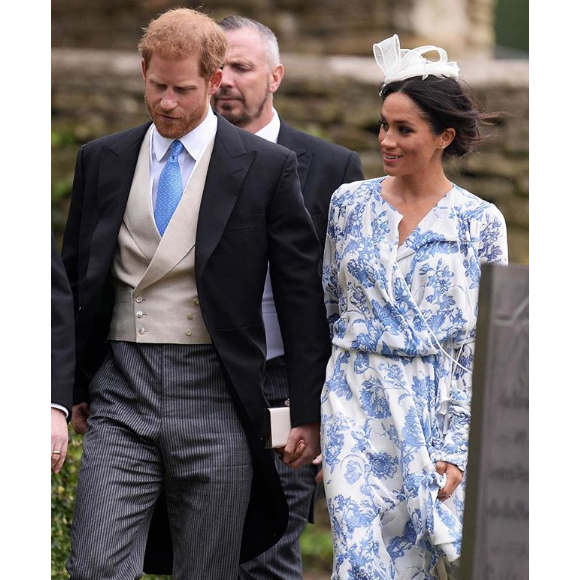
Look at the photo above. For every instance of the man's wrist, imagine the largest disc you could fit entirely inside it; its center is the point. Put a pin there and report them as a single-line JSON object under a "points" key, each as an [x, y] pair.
{"points": [[60, 408]]}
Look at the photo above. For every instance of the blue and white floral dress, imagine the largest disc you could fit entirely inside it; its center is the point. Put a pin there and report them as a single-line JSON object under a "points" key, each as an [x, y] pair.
{"points": [[398, 388]]}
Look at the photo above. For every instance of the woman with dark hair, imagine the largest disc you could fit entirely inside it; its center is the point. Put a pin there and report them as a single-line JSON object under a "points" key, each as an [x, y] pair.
{"points": [[401, 277]]}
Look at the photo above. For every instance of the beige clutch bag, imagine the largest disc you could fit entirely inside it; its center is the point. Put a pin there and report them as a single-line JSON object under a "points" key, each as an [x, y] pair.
{"points": [[276, 427]]}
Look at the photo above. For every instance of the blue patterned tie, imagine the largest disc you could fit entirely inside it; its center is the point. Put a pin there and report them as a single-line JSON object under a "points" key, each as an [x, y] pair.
{"points": [[169, 189]]}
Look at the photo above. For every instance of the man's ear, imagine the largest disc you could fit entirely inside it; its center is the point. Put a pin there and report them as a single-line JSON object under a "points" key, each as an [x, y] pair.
{"points": [[215, 81], [276, 76]]}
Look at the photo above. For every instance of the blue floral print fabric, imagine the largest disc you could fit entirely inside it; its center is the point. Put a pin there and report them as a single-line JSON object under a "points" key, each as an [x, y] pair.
{"points": [[398, 386]]}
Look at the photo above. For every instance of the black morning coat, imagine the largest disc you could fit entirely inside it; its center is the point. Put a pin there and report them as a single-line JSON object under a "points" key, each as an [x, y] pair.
{"points": [[252, 212]]}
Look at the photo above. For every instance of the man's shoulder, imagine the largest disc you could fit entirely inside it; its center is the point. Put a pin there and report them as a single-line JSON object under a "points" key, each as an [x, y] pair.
{"points": [[312, 143], [126, 136], [261, 143], [250, 141]]}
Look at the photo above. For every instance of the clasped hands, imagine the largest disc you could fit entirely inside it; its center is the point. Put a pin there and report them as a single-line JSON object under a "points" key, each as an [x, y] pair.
{"points": [[302, 447]]}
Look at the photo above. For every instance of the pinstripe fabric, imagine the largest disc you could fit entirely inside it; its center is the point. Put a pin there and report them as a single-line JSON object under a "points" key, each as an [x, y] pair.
{"points": [[283, 561], [161, 416]]}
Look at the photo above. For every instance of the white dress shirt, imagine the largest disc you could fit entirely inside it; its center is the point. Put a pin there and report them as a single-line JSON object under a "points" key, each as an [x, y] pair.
{"points": [[57, 406], [194, 144], [271, 132]]}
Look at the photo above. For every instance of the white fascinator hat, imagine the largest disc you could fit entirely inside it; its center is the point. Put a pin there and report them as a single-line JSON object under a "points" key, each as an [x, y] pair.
{"points": [[398, 64]]}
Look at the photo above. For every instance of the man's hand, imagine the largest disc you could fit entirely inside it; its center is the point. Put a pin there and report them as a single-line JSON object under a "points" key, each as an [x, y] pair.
{"points": [[303, 445], [58, 439], [80, 415], [454, 477]]}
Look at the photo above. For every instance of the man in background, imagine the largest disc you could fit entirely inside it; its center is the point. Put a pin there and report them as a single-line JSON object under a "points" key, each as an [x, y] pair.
{"points": [[62, 358], [251, 75]]}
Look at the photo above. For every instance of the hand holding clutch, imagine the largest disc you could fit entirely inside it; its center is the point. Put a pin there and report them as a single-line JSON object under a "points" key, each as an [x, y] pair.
{"points": [[276, 427]]}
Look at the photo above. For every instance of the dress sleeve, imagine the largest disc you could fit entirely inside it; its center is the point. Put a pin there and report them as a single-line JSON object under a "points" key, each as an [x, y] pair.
{"points": [[330, 268], [458, 414], [489, 239]]}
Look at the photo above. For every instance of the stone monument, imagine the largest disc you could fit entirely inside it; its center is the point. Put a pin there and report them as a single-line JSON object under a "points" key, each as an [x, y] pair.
{"points": [[495, 526]]}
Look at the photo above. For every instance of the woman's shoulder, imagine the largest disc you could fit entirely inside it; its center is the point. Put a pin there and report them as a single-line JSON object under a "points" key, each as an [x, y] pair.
{"points": [[351, 192], [472, 205]]}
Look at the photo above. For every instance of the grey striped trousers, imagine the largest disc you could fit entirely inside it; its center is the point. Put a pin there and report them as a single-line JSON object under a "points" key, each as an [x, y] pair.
{"points": [[161, 418], [283, 561]]}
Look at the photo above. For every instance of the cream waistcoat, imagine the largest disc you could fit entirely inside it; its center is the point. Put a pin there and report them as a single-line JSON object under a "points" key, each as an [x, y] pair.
{"points": [[155, 291]]}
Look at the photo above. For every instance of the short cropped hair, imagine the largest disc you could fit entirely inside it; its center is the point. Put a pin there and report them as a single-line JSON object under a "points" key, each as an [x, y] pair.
{"points": [[181, 32], [268, 37]]}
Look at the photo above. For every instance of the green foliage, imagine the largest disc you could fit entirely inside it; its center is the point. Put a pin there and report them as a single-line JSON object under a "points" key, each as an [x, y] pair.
{"points": [[59, 206], [316, 547], [59, 190], [512, 24], [62, 139], [64, 146], [63, 487]]}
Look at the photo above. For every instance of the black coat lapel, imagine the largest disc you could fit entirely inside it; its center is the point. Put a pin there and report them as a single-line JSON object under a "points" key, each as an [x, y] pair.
{"points": [[228, 166], [290, 138], [116, 168]]}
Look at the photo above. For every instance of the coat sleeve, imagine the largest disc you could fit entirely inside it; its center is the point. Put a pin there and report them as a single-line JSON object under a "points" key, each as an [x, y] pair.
{"points": [[62, 333], [293, 253], [70, 245], [353, 170], [71, 258]]}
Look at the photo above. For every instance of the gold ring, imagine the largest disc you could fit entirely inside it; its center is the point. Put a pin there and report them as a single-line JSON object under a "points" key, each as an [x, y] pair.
{"points": [[56, 452]]}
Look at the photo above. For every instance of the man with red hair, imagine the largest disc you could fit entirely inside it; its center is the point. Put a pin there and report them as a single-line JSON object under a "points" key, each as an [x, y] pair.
{"points": [[171, 229]]}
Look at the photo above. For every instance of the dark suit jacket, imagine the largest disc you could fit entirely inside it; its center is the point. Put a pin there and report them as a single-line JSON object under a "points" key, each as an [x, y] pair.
{"points": [[322, 167], [63, 333], [251, 212]]}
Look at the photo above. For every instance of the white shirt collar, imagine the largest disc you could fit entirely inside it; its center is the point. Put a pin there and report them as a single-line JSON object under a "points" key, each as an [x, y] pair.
{"points": [[271, 130], [194, 142]]}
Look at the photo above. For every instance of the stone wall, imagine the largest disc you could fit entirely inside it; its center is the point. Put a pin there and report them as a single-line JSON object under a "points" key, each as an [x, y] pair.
{"points": [[95, 92], [463, 27]]}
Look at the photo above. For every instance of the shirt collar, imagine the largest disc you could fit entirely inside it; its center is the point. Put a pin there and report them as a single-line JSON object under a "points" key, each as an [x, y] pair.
{"points": [[271, 130], [194, 141]]}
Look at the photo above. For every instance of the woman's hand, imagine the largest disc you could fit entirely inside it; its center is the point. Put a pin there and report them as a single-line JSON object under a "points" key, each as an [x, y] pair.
{"points": [[454, 477], [317, 462]]}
